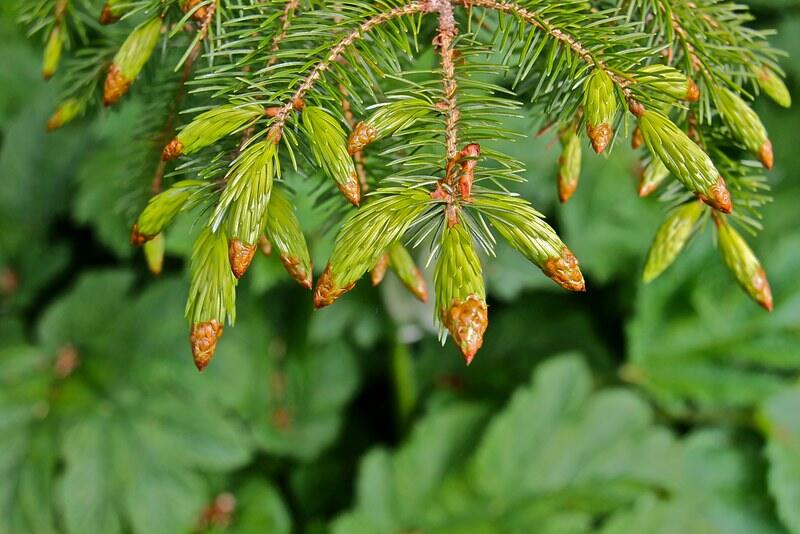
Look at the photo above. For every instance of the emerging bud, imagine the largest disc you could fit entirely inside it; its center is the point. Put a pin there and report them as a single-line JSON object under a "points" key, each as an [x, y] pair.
{"points": [[351, 189], [565, 271], [52, 52], [240, 256], [745, 125], [211, 126], [636, 139], [653, 174], [525, 229], [407, 271], [154, 254], [173, 149], [671, 238], [772, 84], [569, 164], [130, 59], [379, 271], [467, 322], [327, 291], [294, 266], [685, 160], [265, 245], [203, 339], [670, 81], [163, 208], [283, 229], [65, 113], [327, 142], [743, 263], [600, 108], [460, 291], [362, 135]]}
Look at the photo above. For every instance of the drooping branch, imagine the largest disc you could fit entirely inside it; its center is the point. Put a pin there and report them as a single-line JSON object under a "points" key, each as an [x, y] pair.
{"points": [[573, 44], [420, 6]]}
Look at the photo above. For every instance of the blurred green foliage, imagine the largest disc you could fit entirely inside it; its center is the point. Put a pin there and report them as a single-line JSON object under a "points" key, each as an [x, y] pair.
{"points": [[673, 407]]}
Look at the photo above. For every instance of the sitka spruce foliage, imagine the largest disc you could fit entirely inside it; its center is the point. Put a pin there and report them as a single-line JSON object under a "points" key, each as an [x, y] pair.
{"points": [[262, 94]]}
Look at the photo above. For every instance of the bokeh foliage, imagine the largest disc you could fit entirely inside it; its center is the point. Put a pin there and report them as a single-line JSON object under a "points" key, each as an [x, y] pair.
{"points": [[669, 407]]}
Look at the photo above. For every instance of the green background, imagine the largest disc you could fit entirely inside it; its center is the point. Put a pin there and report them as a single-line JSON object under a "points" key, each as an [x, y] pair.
{"points": [[672, 407]]}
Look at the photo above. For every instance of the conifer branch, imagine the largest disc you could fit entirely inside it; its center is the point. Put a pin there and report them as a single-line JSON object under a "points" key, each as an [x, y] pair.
{"points": [[570, 41], [319, 69]]}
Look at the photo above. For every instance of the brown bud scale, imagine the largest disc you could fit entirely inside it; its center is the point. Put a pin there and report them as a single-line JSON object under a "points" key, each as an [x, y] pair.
{"points": [[351, 190], [565, 271], [379, 271], [600, 136], [296, 271], [419, 288], [240, 256], [199, 15], [566, 188], [55, 122], [765, 155], [137, 238], [265, 245], [692, 92], [720, 198], [467, 321], [203, 339], [115, 86], [107, 16], [362, 135], [327, 291], [173, 149], [763, 292], [637, 139]]}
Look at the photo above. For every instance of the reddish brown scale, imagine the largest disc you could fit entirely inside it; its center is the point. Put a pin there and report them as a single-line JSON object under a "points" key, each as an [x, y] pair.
{"points": [[203, 339], [637, 139], [565, 271], [55, 122], [600, 136], [296, 271], [351, 190], [720, 198], [692, 92], [765, 155], [362, 135], [467, 321], [240, 256], [419, 288], [468, 157], [107, 16], [137, 238], [115, 86], [327, 291], [379, 271], [173, 149], [265, 245], [566, 188], [763, 291], [199, 15]]}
